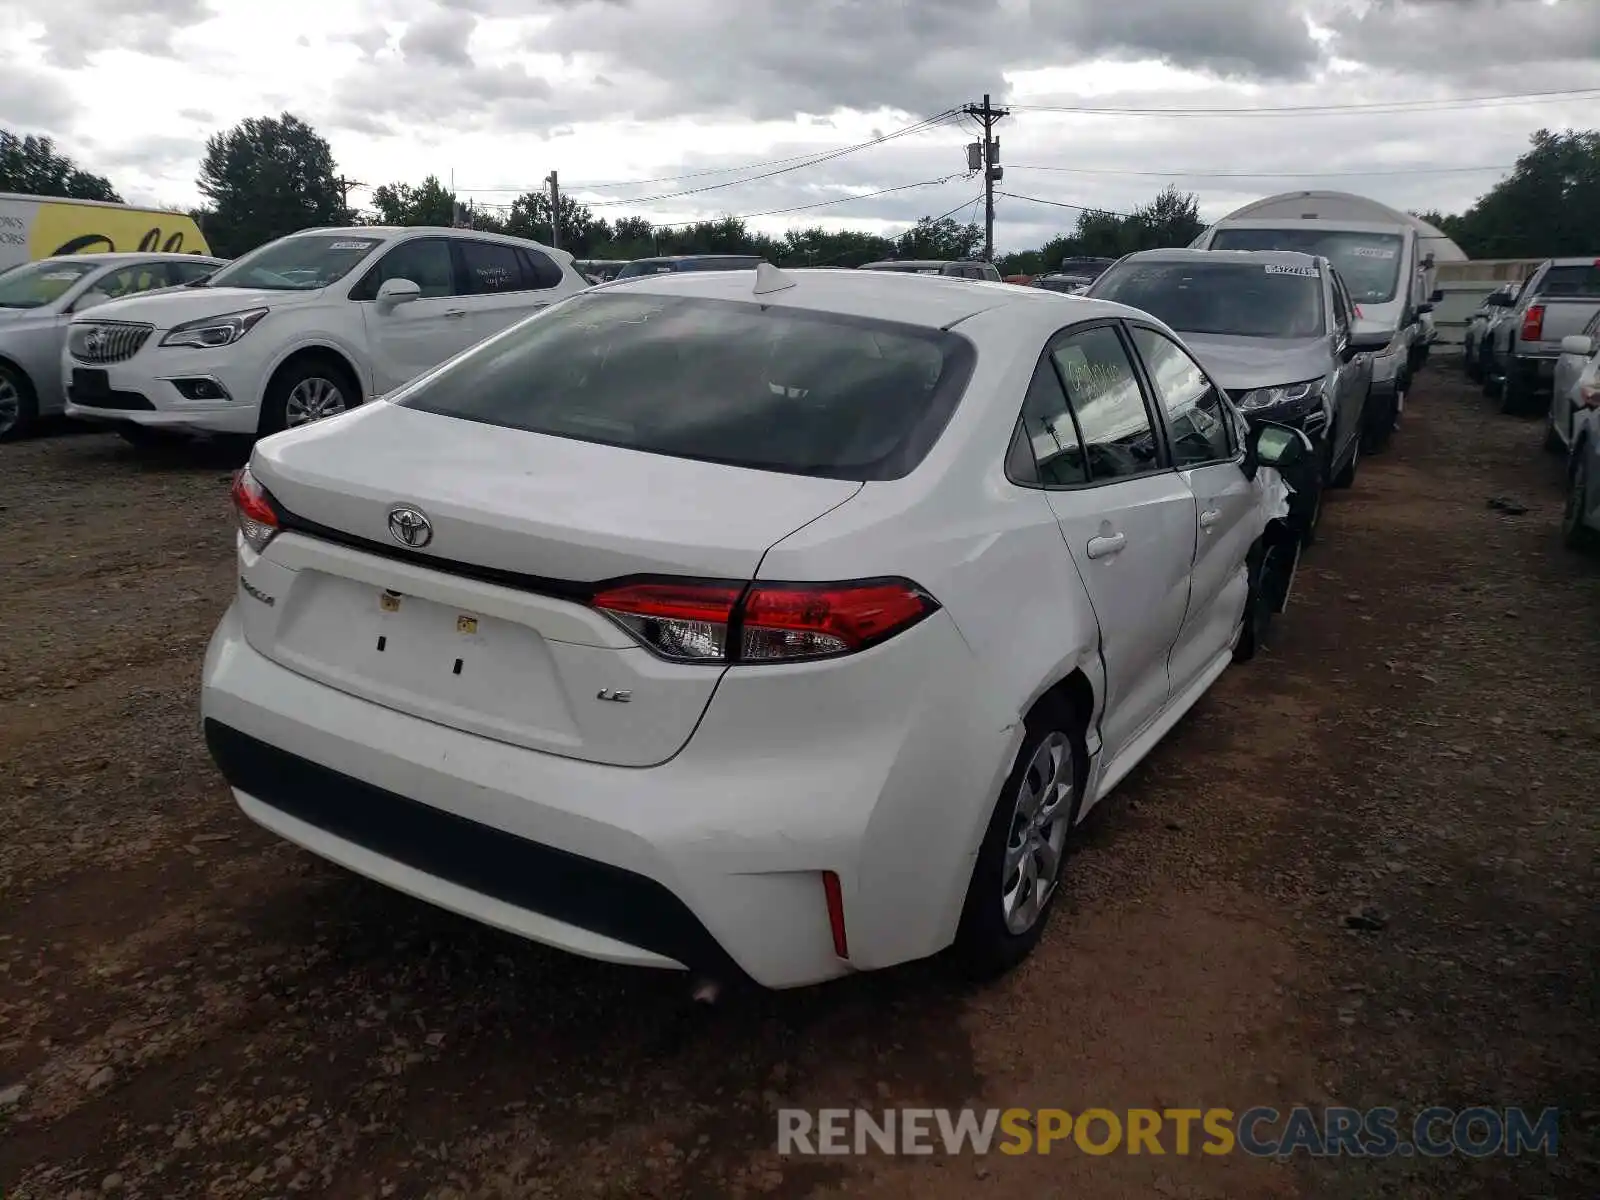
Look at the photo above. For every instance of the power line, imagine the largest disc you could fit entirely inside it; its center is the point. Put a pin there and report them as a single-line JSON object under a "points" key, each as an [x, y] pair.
{"points": [[781, 165], [773, 212], [964, 204], [1314, 110], [1181, 173], [1062, 204]]}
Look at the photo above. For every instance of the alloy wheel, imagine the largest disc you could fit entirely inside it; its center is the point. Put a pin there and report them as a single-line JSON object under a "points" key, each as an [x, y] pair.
{"points": [[1039, 818], [312, 399], [10, 405]]}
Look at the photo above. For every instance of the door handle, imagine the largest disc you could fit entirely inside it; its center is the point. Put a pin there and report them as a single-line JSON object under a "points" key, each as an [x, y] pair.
{"points": [[1106, 545], [1209, 517], [455, 314]]}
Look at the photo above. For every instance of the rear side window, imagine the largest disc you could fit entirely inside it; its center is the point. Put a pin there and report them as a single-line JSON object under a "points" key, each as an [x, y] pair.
{"points": [[539, 270], [1581, 280], [490, 268], [771, 388]]}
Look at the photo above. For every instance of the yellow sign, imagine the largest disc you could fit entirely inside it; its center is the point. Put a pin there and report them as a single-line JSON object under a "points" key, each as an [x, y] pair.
{"points": [[466, 624], [62, 227]]}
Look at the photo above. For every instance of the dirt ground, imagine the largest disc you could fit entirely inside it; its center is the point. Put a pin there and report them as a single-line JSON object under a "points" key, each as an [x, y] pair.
{"points": [[189, 1008]]}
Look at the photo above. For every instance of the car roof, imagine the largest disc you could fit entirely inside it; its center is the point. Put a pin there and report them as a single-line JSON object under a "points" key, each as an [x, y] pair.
{"points": [[1586, 260], [1329, 224], [1182, 254], [665, 258], [934, 301], [115, 257]]}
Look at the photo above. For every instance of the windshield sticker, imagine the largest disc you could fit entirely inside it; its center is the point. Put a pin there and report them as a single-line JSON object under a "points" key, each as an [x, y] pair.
{"points": [[1374, 251], [1280, 269], [352, 246], [61, 276]]}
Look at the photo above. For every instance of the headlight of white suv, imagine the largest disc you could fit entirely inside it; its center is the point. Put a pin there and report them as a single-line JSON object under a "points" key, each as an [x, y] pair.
{"points": [[213, 332], [1300, 397]]}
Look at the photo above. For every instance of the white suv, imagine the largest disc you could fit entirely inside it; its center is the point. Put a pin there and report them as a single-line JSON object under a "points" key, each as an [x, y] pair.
{"points": [[302, 328]]}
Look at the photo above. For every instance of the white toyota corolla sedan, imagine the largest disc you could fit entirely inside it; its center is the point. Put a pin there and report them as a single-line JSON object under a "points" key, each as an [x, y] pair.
{"points": [[769, 625]]}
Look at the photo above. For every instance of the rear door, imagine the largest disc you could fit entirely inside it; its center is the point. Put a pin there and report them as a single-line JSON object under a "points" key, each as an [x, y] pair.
{"points": [[408, 339], [495, 288], [1127, 517], [1207, 455]]}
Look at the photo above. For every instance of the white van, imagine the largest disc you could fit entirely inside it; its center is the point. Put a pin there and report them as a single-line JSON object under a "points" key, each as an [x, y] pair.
{"points": [[1386, 259]]}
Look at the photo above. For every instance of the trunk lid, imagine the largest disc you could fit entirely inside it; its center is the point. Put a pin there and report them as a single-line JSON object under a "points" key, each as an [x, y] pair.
{"points": [[486, 627]]}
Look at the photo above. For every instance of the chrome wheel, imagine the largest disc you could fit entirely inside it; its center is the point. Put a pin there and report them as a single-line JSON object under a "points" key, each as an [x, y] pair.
{"points": [[312, 399], [1039, 818], [10, 404]]}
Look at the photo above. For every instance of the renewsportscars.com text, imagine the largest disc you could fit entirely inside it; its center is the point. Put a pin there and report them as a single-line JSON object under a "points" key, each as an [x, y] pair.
{"points": [[1478, 1132]]}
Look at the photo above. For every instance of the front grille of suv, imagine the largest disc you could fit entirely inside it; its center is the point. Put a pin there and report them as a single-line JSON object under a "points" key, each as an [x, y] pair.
{"points": [[106, 341]]}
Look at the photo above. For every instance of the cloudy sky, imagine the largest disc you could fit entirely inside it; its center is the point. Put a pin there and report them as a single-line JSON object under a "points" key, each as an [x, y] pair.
{"points": [[497, 93]]}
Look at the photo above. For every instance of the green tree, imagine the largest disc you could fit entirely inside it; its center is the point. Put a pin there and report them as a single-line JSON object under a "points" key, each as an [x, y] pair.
{"points": [[267, 177], [1171, 219], [580, 232], [942, 239], [1546, 206], [429, 203], [33, 167]]}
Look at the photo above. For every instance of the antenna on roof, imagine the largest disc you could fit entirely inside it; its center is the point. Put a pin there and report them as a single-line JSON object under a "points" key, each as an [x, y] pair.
{"points": [[770, 279]]}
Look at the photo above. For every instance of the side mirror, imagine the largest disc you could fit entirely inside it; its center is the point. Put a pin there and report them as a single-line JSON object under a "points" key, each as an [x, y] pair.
{"points": [[1576, 343], [90, 299], [397, 291], [1424, 309], [1437, 297], [1278, 446], [1502, 299]]}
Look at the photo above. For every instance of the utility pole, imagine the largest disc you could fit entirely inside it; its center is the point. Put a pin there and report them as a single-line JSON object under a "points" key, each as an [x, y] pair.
{"points": [[555, 210], [988, 158], [344, 185]]}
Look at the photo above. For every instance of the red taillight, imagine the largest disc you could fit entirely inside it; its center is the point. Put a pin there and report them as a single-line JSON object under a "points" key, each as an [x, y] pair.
{"points": [[258, 520], [682, 620], [835, 898], [1533, 323], [799, 621], [716, 621]]}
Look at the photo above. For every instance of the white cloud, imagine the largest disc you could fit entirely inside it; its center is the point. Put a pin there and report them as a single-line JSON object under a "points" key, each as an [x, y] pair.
{"points": [[499, 92]]}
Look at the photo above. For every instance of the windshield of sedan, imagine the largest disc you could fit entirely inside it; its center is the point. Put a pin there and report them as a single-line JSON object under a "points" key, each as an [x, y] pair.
{"points": [[1369, 263], [297, 264], [774, 389], [1261, 300], [33, 285]]}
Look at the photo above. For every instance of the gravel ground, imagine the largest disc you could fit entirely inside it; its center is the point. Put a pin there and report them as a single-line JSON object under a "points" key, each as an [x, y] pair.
{"points": [[189, 1008]]}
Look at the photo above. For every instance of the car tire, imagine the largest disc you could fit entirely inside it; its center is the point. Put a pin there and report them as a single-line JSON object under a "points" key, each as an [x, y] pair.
{"points": [[306, 383], [1574, 532], [1347, 477], [1263, 600], [1511, 397], [997, 933], [19, 405]]}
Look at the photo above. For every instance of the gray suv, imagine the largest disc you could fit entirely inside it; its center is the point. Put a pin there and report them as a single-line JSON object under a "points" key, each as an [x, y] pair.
{"points": [[1276, 328]]}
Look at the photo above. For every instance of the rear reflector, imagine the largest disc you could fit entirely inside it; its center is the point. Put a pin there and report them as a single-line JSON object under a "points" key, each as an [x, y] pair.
{"points": [[1533, 323], [835, 899], [253, 509], [716, 621]]}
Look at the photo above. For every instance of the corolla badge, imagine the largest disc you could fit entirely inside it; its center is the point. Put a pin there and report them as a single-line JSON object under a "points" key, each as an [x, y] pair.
{"points": [[410, 527]]}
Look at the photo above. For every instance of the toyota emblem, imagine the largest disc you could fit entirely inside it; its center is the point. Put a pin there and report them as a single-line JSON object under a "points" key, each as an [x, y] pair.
{"points": [[410, 527]]}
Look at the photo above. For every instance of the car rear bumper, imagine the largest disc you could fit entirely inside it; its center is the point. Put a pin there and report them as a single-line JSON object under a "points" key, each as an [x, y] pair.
{"points": [[712, 861]]}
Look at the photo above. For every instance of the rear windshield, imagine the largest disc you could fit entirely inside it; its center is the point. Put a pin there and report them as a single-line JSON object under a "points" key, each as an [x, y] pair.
{"points": [[1262, 300], [1368, 262], [770, 388], [1580, 280]]}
